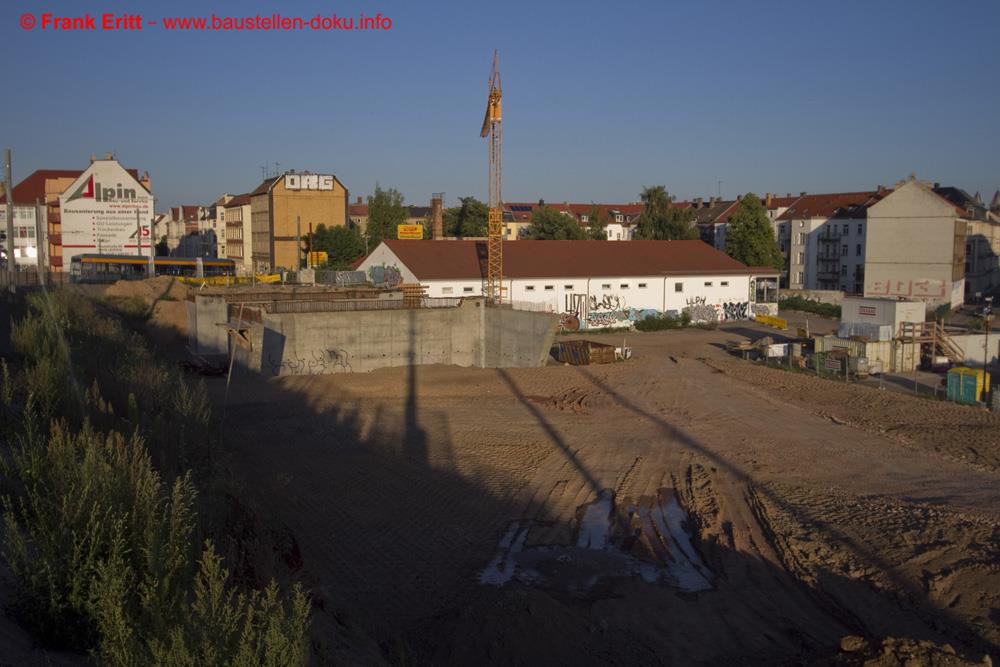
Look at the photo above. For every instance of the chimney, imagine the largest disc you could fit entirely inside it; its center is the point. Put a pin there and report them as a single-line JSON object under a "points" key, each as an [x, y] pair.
{"points": [[541, 202], [437, 216], [93, 158], [360, 200], [768, 200], [146, 182], [739, 197], [109, 155], [789, 195], [802, 194], [936, 185]]}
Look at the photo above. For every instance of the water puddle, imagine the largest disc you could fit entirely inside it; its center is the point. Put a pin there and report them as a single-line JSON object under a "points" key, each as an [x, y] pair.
{"points": [[649, 541]]}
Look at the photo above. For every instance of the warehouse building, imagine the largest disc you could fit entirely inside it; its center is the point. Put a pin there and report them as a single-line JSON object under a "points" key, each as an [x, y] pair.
{"points": [[590, 283]]}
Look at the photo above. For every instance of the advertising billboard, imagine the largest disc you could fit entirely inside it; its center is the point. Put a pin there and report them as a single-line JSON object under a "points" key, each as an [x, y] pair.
{"points": [[411, 232], [99, 212]]}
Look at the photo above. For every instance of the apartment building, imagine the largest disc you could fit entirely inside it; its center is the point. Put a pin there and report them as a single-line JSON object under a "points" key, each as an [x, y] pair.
{"points": [[916, 245], [236, 214], [281, 210], [825, 239]]}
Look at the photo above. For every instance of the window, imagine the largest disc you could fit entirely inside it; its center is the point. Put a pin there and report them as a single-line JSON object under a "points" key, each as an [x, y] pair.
{"points": [[861, 228], [623, 286], [708, 283], [568, 287], [584, 218], [529, 288], [619, 217], [549, 288], [678, 287], [725, 283], [801, 258], [467, 290], [642, 285], [802, 238], [802, 223], [857, 250], [843, 269], [847, 229], [606, 286], [843, 250], [446, 290], [800, 277]]}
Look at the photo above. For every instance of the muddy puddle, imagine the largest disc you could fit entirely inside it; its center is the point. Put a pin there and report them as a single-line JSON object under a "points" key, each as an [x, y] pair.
{"points": [[647, 539]]}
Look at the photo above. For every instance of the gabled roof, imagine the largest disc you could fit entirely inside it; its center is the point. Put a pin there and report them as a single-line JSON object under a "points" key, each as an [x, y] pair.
{"points": [[967, 206], [264, 186], [710, 212], [238, 200], [33, 186], [360, 210], [466, 260], [185, 213], [850, 205]]}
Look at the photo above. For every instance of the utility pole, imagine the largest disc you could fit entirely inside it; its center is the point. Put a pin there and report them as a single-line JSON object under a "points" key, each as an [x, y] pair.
{"points": [[9, 187], [987, 317], [40, 212], [298, 243]]}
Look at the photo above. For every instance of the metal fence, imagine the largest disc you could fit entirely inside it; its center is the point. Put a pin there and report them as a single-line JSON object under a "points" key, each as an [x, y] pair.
{"points": [[344, 305], [33, 278]]}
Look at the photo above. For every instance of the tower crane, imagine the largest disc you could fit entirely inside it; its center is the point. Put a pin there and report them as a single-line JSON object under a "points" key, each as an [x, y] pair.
{"points": [[492, 129]]}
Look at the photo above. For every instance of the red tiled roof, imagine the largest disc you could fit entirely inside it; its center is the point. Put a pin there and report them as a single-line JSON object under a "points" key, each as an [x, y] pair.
{"points": [[630, 211], [780, 202], [460, 260], [833, 205], [264, 186], [360, 210], [33, 186], [189, 212], [238, 200]]}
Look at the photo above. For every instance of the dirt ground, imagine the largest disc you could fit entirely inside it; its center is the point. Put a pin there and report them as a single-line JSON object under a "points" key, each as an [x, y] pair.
{"points": [[683, 507]]}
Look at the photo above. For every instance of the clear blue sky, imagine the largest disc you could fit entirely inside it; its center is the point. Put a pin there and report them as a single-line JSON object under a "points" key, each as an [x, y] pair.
{"points": [[600, 98]]}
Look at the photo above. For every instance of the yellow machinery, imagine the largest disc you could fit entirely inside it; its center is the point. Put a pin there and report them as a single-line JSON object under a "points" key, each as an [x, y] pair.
{"points": [[494, 222]]}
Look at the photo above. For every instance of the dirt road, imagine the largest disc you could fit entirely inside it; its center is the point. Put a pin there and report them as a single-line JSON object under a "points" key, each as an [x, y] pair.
{"points": [[681, 507]]}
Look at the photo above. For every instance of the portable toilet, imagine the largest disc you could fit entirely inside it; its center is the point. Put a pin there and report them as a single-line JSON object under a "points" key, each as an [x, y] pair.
{"points": [[967, 385]]}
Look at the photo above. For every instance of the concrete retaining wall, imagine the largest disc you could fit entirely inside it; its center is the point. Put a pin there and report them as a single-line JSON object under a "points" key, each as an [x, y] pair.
{"points": [[972, 346], [823, 296], [361, 341]]}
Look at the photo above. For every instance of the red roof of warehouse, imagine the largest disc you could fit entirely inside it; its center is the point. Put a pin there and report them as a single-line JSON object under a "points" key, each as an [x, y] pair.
{"points": [[445, 260]]}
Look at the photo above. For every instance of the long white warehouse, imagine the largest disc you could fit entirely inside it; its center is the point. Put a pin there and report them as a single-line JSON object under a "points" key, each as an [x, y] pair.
{"points": [[593, 284]]}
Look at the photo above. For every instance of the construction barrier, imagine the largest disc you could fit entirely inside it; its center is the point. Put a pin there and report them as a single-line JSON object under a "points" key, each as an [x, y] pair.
{"points": [[775, 322]]}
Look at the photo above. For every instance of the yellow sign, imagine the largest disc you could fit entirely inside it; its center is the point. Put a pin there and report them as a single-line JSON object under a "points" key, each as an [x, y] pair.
{"points": [[410, 232], [318, 258]]}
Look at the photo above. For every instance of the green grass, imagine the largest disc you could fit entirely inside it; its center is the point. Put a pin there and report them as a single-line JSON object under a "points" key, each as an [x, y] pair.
{"points": [[809, 306]]}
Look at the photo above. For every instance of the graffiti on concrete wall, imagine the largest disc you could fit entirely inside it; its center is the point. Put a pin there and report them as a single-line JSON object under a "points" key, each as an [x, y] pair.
{"points": [[916, 288], [608, 302], [390, 276], [575, 309], [736, 310], [701, 313], [318, 362], [765, 309]]}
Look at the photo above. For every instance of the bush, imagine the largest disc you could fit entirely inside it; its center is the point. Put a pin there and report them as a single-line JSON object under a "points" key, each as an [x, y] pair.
{"points": [[809, 306], [663, 322], [103, 542]]}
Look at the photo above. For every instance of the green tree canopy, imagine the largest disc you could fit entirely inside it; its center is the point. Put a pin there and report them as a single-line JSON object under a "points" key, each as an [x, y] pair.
{"points": [[661, 220], [597, 223], [550, 224], [385, 211], [342, 245], [466, 220], [750, 237]]}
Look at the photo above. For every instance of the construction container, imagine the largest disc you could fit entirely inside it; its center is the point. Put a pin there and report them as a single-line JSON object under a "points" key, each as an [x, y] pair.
{"points": [[881, 312], [583, 352], [967, 385], [858, 366]]}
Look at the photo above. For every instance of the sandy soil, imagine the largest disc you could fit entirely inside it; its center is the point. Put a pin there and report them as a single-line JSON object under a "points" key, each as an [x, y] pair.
{"points": [[166, 296], [682, 507]]}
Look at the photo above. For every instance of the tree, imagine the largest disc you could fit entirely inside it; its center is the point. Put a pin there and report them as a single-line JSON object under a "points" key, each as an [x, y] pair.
{"points": [[466, 220], [550, 224], [342, 245], [661, 220], [385, 211], [597, 224], [749, 236]]}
